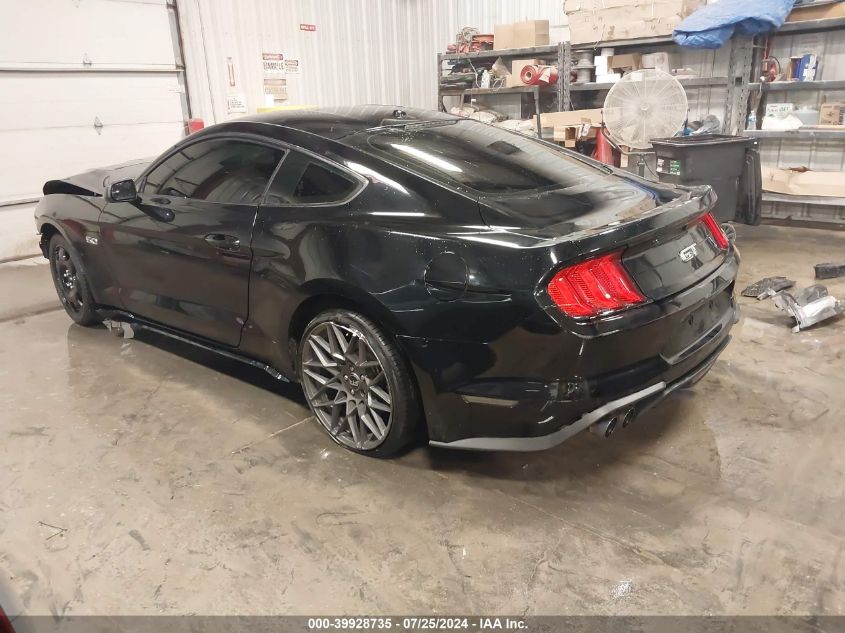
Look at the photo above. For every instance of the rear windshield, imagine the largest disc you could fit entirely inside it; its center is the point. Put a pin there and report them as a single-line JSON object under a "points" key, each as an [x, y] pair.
{"points": [[480, 156]]}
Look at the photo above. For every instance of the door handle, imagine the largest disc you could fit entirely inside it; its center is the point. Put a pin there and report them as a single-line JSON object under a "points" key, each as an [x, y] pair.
{"points": [[223, 242]]}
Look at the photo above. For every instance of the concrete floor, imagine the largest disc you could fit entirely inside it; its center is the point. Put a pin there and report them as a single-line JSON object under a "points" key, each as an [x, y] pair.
{"points": [[139, 476]]}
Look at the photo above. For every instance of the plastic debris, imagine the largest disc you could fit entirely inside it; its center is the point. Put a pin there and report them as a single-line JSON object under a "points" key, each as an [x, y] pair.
{"points": [[809, 306], [829, 270], [767, 287]]}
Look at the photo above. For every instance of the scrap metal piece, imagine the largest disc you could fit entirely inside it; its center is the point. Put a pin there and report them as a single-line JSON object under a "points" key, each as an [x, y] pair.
{"points": [[829, 270], [810, 294], [767, 287], [810, 306]]}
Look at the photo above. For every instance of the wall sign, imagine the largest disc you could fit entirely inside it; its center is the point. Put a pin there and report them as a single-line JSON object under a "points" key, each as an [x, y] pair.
{"points": [[277, 88], [273, 63], [236, 103]]}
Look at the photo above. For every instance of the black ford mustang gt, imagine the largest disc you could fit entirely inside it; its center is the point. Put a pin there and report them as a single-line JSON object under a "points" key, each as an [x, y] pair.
{"points": [[411, 269]]}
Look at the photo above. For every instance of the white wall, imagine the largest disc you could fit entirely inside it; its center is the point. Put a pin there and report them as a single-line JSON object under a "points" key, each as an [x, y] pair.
{"points": [[363, 51]]}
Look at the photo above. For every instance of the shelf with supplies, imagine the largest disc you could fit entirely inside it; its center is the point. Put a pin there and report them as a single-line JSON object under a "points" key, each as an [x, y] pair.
{"points": [[690, 82], [811, 26], [816, 84], [505, 90], [555, 54], [833, 133], [828, 201], [531, 51], [810, 144], [661, 40]]}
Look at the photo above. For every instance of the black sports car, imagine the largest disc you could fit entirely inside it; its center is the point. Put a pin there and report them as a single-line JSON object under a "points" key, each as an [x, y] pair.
{"points": [[412, 270]]}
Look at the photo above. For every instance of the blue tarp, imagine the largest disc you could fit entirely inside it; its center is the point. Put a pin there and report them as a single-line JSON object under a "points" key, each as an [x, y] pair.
{"points": [[713, 25]]}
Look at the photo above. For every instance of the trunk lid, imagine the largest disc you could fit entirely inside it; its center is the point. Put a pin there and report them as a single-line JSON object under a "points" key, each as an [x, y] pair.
{"points": [[665, 248]]}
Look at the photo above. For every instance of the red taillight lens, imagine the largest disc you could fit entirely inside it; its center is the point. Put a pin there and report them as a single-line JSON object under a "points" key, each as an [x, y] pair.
{"points": [[718, 234], [5, 623], [594, 287]]}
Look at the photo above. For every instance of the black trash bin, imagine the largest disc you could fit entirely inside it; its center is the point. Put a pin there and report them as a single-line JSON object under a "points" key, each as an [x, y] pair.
{"points": [[717, 160]]}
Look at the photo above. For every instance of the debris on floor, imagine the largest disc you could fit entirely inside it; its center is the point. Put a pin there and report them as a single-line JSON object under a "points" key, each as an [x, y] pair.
{"points": [[767, 287], [809, 306], [829, 270]]}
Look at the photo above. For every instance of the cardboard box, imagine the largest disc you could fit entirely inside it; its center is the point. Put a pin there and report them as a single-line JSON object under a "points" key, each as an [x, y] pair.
{"points": [[571, 117], [502, 36], [823, 12], [569, 134], [530, 33], [625, 63], [803, 182], [595, 21], [660, 61], [516, 68], [832, 113]]}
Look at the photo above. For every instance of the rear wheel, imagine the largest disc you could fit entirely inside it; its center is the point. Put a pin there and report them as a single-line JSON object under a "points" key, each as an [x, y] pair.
{"points": [[71, 283], [357, 384]]}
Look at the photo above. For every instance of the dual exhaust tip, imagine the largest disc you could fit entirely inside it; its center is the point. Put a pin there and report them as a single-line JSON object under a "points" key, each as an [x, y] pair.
{"points": [[604, 428]]}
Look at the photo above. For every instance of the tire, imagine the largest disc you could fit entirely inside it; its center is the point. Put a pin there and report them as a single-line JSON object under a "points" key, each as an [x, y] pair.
{"points": [[71, 283], [357, 384]]}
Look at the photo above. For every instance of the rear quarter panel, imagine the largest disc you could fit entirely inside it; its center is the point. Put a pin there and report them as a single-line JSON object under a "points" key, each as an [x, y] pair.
{"points": [[378, 252]]}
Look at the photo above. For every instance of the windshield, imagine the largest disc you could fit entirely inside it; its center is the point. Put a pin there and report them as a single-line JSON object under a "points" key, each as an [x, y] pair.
{"points": [[480, 156]]}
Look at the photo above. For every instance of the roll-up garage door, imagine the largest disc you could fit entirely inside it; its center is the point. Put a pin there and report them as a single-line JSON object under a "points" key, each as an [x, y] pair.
{"points": [[83, 83]]}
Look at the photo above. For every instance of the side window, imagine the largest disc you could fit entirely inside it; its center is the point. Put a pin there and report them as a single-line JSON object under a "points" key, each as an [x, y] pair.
{"points": [[321, 184], [216, 170]]}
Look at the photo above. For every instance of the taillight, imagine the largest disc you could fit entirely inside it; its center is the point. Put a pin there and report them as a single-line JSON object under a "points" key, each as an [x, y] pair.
{"points": [[5, 623], [716, 230], [596, 286]]}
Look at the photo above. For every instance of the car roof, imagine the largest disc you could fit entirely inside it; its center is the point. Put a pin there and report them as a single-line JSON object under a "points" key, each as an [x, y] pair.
{"points": [[336, 123]]}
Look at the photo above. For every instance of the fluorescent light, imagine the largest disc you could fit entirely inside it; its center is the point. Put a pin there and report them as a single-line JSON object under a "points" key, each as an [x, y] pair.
{"points": [[427, 157], [366, 171], [400, 214]]}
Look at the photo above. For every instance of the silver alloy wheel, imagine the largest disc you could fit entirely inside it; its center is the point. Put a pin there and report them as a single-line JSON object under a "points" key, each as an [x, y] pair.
{"points": [[346, 386]]}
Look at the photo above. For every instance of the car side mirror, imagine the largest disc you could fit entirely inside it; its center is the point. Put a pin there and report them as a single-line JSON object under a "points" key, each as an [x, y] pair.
{"points": [[122, 191]]}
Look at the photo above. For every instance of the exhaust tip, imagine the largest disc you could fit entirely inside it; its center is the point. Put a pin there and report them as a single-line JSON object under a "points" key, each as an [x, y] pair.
{"points": [[605, 427], [629, 416]]}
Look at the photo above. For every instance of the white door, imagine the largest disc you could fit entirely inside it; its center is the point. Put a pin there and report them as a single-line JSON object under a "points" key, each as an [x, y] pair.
{"points": [[83, 84]]}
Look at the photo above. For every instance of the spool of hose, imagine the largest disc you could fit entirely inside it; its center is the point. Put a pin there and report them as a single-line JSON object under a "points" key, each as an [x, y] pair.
{"points": [[584, 58], [584, 75], [531, 75]]}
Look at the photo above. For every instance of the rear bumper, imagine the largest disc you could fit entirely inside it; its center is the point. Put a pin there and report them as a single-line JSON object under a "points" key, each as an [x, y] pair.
{"points": [[639, 401], [535, 386]]}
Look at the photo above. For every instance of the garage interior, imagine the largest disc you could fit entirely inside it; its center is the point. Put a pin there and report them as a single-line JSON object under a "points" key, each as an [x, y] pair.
{"points": [[144, 476]]}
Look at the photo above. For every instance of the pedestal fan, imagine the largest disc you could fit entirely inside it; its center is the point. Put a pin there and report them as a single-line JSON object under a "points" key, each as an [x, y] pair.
{"points": [[643, 105]]}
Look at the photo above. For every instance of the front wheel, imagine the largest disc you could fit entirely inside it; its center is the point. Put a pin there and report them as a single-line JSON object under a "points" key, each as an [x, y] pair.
{"points": [[357, 384], [71, 283]]}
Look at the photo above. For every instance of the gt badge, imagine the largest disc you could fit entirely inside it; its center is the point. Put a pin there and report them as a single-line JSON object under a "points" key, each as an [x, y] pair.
{"points": [[688, 253]]}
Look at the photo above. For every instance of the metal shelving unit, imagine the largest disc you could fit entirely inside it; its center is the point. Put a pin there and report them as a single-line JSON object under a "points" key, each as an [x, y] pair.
{"points": [[804, 134], [561, 56], [556, 54], [736, 79]]}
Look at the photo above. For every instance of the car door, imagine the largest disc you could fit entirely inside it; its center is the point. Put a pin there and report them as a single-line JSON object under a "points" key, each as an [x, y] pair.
{"points": [[181, 253], [296, 241]]}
